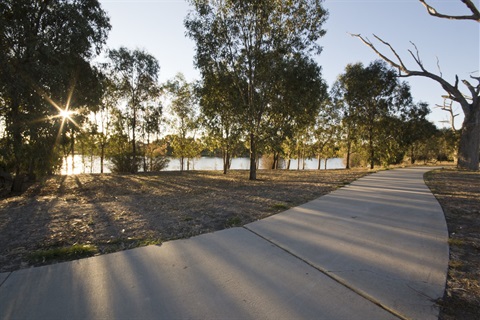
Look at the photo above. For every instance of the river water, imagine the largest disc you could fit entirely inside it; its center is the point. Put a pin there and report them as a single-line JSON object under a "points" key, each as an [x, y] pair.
{"points": [[86, 165]]}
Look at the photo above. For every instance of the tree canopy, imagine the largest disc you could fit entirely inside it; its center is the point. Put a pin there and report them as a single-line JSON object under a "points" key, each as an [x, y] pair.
{"points": [[45, 51], [251, 41]]}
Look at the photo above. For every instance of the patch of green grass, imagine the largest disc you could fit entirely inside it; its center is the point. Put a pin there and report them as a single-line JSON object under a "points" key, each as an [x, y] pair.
{"points": [[233, 222], [74, 252], [279, 206], [148, 242], [456, 242], [120, 244]]}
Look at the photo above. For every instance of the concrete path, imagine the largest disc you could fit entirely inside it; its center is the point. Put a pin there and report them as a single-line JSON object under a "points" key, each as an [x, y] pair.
{"points": [[376, 249]]}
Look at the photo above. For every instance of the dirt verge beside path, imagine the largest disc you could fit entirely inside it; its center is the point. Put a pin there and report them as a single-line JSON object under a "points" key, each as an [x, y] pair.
{"points": [[70, 217], [459, 195]]}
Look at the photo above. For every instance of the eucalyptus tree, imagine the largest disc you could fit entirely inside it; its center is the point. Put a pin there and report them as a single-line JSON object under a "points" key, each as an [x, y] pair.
{"points": [[45, 49], [218, 100], [135, 74], [297, 95], [245, 39], [102, 119], [370, 95], [327, 132], [185, 119], [468, 97]]}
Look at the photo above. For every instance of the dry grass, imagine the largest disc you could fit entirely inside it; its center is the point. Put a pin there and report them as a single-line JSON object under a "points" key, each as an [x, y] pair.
{"points": [[116, 212], [459, 195]]}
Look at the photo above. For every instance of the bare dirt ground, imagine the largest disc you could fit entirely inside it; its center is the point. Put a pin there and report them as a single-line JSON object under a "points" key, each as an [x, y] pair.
{"points": [[97, 214], [108, 213], [459, 195]]}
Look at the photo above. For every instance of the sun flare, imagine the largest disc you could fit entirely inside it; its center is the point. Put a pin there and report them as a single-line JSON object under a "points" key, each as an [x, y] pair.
{"points": [[66, 114]]}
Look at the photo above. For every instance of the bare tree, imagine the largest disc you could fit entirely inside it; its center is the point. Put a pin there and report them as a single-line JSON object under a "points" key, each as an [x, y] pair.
{"points": [[469, 145], [475, 13], [448, 107]]}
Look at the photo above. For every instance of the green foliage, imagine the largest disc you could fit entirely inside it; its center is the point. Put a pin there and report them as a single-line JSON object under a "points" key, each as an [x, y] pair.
{"points": [[125, 162], [45, 48], [379, 116], [235, 221], [121, 156], [261, 50], [134, 75], [218, 101], [185, 121], [156, 156]]}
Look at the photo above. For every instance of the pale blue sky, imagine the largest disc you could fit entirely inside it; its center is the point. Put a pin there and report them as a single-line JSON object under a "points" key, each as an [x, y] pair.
{"points": [[157, 27]]}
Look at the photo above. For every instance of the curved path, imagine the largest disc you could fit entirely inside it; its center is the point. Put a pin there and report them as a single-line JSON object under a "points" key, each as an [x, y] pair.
{"points": [[376, 249]]}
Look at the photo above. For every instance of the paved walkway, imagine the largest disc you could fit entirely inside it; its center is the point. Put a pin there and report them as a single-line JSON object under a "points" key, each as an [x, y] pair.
{"points": [[376, 249]]}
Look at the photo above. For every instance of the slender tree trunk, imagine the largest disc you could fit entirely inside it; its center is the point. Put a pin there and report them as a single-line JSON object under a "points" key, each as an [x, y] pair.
{"points": [[326, 161], [17, 145], [275, 160], [372, 150], [134, 146], [469, 146], [72, 150], [226, 160], [319, 161], [349, 151], [102, 156], [253, 160], [181, 163]]}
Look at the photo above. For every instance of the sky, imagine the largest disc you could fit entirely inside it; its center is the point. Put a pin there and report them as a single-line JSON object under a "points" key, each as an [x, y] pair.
{"points": [[156, 26]]}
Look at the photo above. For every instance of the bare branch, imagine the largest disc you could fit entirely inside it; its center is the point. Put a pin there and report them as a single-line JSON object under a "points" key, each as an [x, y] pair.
{"points": [[453, 92], [400, 66], [470, 5], [417, 57], [448, 107], [391, 48]]}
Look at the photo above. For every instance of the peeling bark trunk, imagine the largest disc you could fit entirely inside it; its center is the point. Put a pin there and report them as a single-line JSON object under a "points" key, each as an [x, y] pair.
{"points": [[469, 146]]}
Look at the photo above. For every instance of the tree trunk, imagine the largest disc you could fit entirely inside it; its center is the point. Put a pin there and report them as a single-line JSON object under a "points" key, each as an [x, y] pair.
{"points": [[319, 158], [17, 185], [225, 161], [102, 156], [372, 150], [134, 146], [412, 155], [16, 128], [326, 161], [469, 146], [72, 150], [253, 162], [181, 163], [349, 151]]}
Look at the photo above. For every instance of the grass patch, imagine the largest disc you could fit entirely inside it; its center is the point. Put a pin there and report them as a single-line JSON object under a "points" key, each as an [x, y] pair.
{"points": [[279, 206], [233, 222], [120, 244], [74, 252], [455, 242]]}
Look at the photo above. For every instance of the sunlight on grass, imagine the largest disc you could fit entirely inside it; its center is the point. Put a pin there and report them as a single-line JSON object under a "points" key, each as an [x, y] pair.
{"points": [[76, 251]]}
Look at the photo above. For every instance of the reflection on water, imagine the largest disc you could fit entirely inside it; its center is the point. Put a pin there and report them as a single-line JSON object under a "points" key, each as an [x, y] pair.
{"points": [[92, 164]]}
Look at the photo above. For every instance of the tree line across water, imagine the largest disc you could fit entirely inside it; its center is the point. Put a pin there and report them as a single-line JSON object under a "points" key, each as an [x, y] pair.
{"points": [[260, 93]]}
